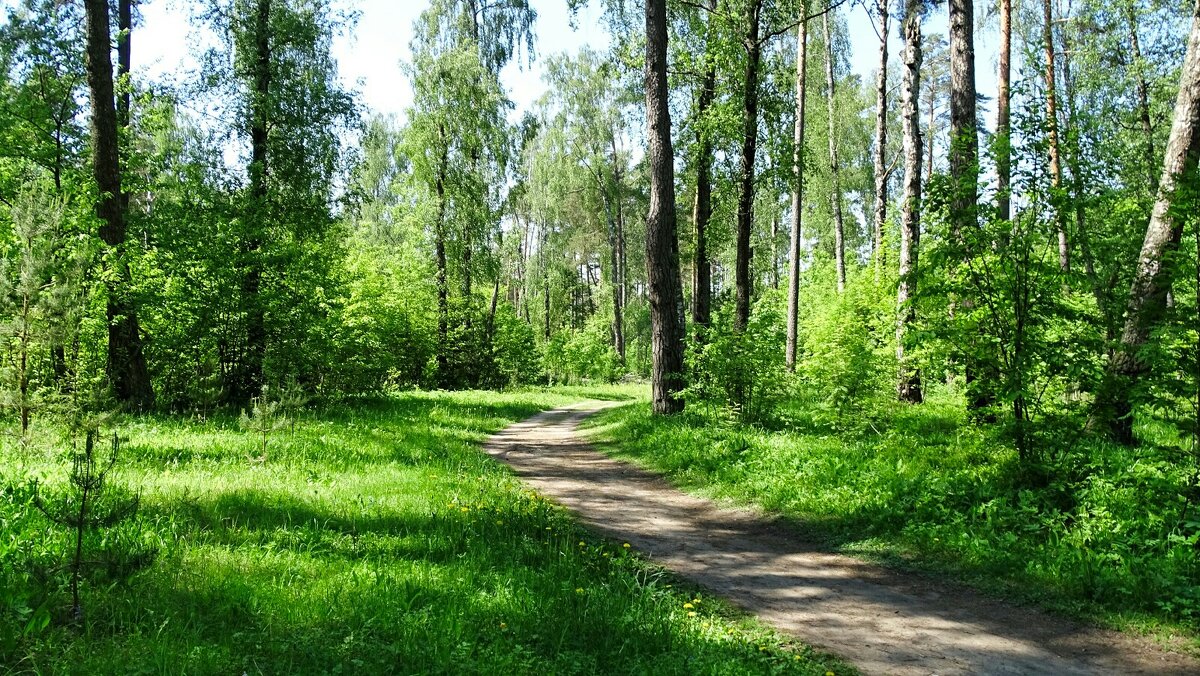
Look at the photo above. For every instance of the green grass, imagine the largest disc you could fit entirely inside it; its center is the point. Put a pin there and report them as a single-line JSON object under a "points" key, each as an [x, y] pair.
{"points": [[1096, 532], [376, 538]]}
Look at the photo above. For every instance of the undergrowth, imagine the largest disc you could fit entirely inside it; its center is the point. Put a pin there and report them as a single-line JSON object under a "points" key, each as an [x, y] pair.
{"points": [[1094, 531], [374, 538]]}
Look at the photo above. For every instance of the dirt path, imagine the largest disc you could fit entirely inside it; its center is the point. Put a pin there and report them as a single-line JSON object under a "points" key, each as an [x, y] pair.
{"points": [[882, 621]]}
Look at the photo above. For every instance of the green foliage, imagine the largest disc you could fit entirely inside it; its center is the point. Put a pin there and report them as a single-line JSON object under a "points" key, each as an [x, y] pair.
{"points": [[380, 536], [742, 374], [847, 358], [585, 356], [930, 489]]}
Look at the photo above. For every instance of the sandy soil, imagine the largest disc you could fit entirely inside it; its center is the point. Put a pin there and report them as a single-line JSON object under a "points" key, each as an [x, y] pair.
{"points": [[882, 621]]}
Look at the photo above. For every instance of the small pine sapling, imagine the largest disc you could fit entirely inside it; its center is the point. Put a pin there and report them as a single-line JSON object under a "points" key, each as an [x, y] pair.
{"points": [[264, 417], [89, 504]]}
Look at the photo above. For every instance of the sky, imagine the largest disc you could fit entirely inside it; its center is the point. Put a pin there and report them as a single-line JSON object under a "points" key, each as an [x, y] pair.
{"points": [[369, 57]]}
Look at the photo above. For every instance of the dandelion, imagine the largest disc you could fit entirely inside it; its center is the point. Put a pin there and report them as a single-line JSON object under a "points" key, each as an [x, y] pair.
{"points": [[626, 545], [688, 606], [582, 543], [692, 614], [827, 673], [579, 590], [503, 626]]}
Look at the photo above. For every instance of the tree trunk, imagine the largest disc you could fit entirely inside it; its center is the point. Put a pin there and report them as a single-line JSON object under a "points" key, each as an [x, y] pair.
{"points": [[702, 212], [443, 284], [793, 310], [909, 384], [1003, 99], [1152, 278], [662, 244], [839, 231], [1143, 96], [745, 216], [881, 139], [964, 168], [1064, 252], [246, 380], [618, 253], [126, 366]]}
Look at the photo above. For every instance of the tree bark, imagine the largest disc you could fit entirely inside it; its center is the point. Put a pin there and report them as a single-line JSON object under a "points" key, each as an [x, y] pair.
{"points": [[909, 383], [797, 230], [839, 230], [1143, 96], [1060, 221], [702, 211], [881, 103], [964, 170], [126, 365], [443, 284], [1003, 101], [1152, 278], [662, 244], [745, 216]]}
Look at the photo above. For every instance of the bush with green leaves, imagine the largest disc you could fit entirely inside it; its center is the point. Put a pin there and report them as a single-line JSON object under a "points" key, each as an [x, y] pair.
{"points": [[585, 355], [741, 374], [847, 358]]}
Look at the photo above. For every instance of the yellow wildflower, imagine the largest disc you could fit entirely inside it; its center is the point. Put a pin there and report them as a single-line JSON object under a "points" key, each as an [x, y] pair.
{"points": [[692, 614], [579, 590], [688, 606]]}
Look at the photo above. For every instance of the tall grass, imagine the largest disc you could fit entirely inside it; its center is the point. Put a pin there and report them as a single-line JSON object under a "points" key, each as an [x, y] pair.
{"points": [[1098, 531], [376, 538]]}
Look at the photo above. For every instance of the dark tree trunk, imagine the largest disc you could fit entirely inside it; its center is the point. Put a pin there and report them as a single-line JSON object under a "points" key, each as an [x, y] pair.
{"points": [[745, 215], [964, 170], [797, 228], [881, 173], [702, 268], [909, 384], [126, 366], [1152, 278], [662, 245], [839, 228], [1003, 100], [246, 379]]}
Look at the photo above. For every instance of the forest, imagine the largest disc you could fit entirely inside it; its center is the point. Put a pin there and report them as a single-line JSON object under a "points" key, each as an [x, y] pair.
{"points": [[942, 316]]}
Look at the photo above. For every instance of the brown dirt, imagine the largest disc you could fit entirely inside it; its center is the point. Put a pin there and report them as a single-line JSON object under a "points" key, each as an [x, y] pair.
{"points": [[880, 620]]}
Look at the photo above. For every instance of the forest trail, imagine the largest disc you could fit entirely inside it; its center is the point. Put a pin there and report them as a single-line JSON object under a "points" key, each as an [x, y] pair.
{"points": [[882, 621]]}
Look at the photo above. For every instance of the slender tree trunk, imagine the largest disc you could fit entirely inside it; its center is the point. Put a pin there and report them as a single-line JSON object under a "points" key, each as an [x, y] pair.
{"points": [[881, 104], [617, 257], [1143, 95], [1064, 251], [442, 282], [1003, 99], [930, 135], [745, 216], [702, 211], [126, 367], [839, 230], [1099, 291], [909, 384], [1152, 278], [662, 244], [797, 229]]}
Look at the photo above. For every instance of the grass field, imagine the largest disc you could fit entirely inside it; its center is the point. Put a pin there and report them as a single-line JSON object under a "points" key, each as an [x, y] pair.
{"points": [[374, 538], [1104, 534]]}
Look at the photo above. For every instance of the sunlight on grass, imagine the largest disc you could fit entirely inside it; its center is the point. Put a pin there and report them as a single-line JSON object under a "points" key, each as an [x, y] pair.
{"points": [[377, 538]]}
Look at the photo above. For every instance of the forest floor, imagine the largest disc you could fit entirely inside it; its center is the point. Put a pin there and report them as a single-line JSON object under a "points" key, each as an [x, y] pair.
{"points": [[881, 620], [373, 537]]}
